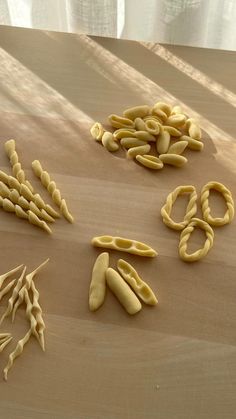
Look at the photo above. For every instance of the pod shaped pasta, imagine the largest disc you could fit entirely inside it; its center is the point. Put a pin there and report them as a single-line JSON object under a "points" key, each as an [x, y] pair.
{"points": [[136, 112], [159, 113], [193, 128], [124, 245], [149, 161], [139, 124], [176, 120], [131, 142], [117, 121], [109, 142], [97, 131], [173, 159], [176, 110], [124, 133], [145, 136], [195, 145], [153, 127], [163, 142], [174, 132], [134, 151], [178, 147], [97, 289], [164, 107]]}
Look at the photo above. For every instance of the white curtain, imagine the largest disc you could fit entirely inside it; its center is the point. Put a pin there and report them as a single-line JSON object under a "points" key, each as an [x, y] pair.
{"points": [[204, 23]]}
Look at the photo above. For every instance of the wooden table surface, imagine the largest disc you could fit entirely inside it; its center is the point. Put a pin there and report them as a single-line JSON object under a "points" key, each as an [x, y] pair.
{"points": [[175, 361]]}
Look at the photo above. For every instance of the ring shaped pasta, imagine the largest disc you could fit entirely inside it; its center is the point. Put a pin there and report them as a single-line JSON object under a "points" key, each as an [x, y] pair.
{"points": [[206, 210], [190, 210], [185, 235]]}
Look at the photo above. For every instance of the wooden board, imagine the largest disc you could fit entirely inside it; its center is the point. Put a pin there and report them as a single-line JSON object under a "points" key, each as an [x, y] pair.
{"points": [[174, 361]]}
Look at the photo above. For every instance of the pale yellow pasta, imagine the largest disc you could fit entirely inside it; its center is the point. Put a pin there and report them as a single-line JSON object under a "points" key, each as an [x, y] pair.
{"points": [[139, 124], [174, 132], [206, 210], [122, 291], [176, 110], [97, 131], [124, 245], [7, 288], [37, 311], [153, 127], [176, 120], [117, 121], [14, 296], [134, 151], [5, 343], [191, 209], [136, 112], [109, 142], [131, 142], [193, 129], [17, 352], [153, 118], [52, 189], [163, 141], [164, 107], [195, 145], [178, 147], [4, 336], [124, 133], [6, 275], [97, 289], [159, 113], [185, 235], [149, 161], [29, 314], [10, 148], [141, 288], [145, 136], [173, 159]]}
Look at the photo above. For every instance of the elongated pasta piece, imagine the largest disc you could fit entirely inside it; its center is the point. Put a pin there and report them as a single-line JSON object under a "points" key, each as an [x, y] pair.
{"points": [[37, 312], [164, 107], [4, 336], [131, 142], [7, 288], [159, 113], [117, 121], [52, 189], [206, 210], [97, 131], [191, 209], [185, 235], [29, 314], [153, 127], [195, 145], [140, 287], [134, 151], [176, 110], [17, 352], [154, 118], [10, 148], [14, 296], [139, 124], [6, 275], [5, 343], [178, 147], [145, 136], [149, 161], [109, 142], [124, 133], [173, 159], [176, 120], [97, 289], [122, 291], [124, 245], [137, 112], [174, 132], [163, 141], [193, 129]]}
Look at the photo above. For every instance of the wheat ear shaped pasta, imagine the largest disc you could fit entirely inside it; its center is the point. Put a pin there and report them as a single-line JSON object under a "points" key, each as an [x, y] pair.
{"points": [[10, 148], [17, 352], [52, 189], [14, 296], [185, 235]]}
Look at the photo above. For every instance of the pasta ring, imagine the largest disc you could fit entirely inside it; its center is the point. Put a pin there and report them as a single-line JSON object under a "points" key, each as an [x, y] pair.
{"points": [[206, 210], [185, 235]]}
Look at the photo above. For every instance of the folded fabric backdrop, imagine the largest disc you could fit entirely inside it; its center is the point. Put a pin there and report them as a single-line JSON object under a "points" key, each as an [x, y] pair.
{"points": [[204, 23]]}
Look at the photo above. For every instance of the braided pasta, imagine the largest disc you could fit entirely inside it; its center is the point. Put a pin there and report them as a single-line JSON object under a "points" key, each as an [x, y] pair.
{"points": [[190, 211], [10, 148], [185, 235], [52, 189], [17, 352], [206, 210]]}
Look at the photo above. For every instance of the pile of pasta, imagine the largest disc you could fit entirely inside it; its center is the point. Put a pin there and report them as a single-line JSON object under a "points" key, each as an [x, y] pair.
{"points": [[168, 128], [126, 284], [17, 194], [189, 222], [23, 291]]}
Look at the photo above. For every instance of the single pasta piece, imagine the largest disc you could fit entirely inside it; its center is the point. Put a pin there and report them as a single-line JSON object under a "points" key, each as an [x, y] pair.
{"points": [[10, 148], [193, 129], [7, 288], [163, 141], [195, 145], [153, 127], [4, 336], [134, 151], [191, 209], [176, 120], [122, 291], [164, 107], [29, 314], [97, 131], [5, 343], [131, 142], [145, 136], [174, 132], [176, 110], [97, 289], [14, 296], [17, 352], [185, 235], [149, 161], [206, 210], [27, 285], [178, 147], [159, 113], [3, 277], [124, 133], [140, 287], [124, 245], [139, 124], [37, 312], [52, 189], [109, 141], [137, 112], [117, 121], [173, 159]]}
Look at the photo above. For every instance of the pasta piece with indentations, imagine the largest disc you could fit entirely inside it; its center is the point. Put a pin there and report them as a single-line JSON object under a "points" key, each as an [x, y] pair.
{"points": [[176, 121], [97, 289], [163, 141], [193, 129], [185, 235], [122, 291], [124, 245], [124, 133], [109, 142], [135, 151], [174, 132], [10, 148], [206, 210], [97, 131], [196, 145], [164, 107], [178, 147], [136, 112], [139, 124], [149, 161], [140, 287], [173, 159], [14, 296], [117, 121], [17, 352], [153, 127], [131, 142]]}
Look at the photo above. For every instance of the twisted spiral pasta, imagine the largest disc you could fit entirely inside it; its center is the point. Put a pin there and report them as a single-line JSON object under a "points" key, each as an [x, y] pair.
{"points": [[190, 211], [17, 352], [14, 296], [185, 235], [52, 189], [206, 210], [37, 311]]}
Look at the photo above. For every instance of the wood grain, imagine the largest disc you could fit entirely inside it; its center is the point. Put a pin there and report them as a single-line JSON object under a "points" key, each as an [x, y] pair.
{"points": [[174, 361]]}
